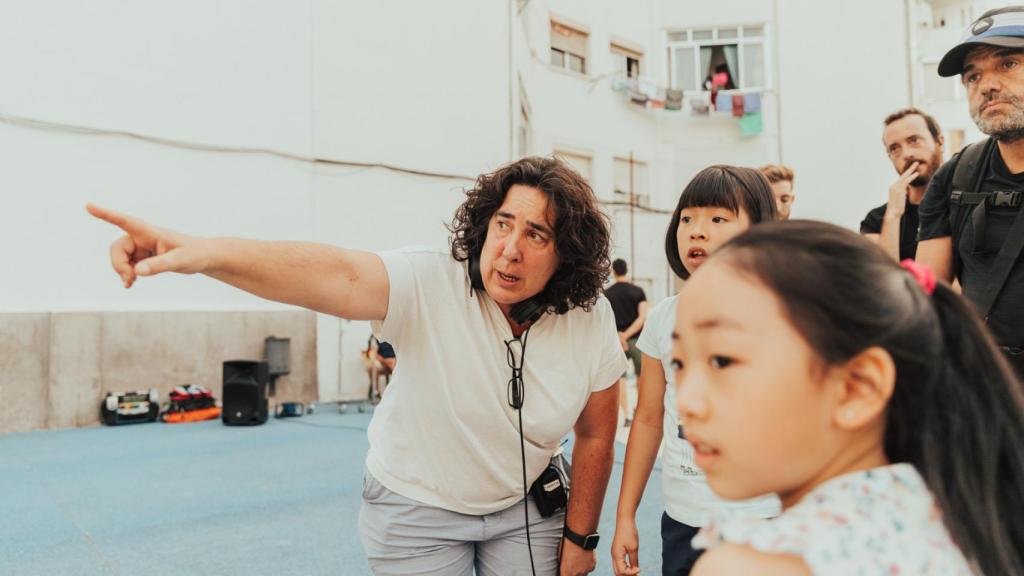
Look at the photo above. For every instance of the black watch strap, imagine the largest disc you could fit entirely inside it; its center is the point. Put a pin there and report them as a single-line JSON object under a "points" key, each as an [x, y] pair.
{"points": [[588, 542]]}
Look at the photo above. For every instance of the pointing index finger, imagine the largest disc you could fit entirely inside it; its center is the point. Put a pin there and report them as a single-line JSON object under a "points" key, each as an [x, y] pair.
{"points": [[122, 221]]}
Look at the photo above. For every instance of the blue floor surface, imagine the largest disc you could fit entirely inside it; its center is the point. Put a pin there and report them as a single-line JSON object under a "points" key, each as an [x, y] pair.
{"points": [[206, 499]]}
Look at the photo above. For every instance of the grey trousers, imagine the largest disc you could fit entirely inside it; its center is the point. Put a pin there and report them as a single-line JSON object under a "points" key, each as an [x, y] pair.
{"points": [[405, 537]]}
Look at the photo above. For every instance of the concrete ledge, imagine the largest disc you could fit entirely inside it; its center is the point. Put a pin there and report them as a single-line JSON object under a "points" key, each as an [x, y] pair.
{"points": [[56, 368]]}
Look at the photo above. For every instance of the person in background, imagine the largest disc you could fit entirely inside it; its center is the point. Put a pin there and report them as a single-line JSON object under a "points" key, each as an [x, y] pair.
{"points": [[972, 226], [719, 203], [629, 303], [913, 142], [781, 179]]}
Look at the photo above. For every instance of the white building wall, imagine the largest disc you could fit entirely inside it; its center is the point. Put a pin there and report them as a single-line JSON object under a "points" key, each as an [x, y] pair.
{"points": [[582, 114], [834, 70], [396, 83], [433, 87], [193, 71], [939, 25], [412, 85], [843, 67]]}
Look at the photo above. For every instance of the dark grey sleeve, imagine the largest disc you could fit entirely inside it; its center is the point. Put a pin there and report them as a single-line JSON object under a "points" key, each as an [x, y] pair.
{"points": [[934, 211], [872, 223]]}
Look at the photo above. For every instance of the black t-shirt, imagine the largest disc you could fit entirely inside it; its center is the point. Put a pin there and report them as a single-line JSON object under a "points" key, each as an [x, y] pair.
{"points": [[625, 298], [872, 224], [1006, 318]]}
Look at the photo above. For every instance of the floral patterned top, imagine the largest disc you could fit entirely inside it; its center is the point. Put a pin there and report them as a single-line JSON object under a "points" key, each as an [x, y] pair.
{"points": [[882, 522]]}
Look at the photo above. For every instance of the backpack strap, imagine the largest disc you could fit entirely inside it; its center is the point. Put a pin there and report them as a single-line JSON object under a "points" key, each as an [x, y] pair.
{"points": [[968, 175], [967, 179], [1004, 262]]}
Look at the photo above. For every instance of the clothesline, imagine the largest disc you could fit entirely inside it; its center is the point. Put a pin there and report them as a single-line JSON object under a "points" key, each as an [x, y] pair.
{"points": [[746, 107]]}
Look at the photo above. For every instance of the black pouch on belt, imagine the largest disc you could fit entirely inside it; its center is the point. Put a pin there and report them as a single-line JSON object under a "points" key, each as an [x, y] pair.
{"points": [[551, 490]]}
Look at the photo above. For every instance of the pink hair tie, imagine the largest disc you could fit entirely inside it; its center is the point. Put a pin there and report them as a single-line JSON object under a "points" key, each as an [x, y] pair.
{"points": [[923, 274]]}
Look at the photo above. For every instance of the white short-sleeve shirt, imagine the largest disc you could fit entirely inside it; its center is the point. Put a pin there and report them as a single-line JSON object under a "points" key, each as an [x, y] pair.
{"points": [[444, 433], [688, 498]]}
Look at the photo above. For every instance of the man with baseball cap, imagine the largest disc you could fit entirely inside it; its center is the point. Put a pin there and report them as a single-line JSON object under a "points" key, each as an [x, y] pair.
{"points": [[972, 225]]}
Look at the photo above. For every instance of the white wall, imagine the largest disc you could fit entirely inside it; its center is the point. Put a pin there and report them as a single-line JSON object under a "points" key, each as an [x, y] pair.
{"points": [[582, 114], [418, 85], [842, 69], [931, 44], [398, 83], [413, 85], [829, 88], [223, 73]]}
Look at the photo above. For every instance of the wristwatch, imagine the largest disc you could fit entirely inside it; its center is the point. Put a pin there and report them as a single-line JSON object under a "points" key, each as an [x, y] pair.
{"points": [[588, 542]]}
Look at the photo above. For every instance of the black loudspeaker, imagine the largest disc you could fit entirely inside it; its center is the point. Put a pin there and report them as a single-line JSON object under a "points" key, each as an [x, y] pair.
{"points": [[245, 393]]}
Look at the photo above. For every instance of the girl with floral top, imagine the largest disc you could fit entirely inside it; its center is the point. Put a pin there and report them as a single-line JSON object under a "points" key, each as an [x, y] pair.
{"points": [[869, 398]]}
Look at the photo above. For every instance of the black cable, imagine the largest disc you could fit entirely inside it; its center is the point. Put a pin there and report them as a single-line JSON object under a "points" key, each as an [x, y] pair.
{"points": [[47, 126], [340, 427], [516, 399], [636, 207], [526, 502]]}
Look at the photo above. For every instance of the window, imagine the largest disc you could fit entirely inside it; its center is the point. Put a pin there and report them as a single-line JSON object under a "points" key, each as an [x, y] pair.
{"points": [[627, 61], [578, 162], [568, 48], [725, 58], [640, 188]]}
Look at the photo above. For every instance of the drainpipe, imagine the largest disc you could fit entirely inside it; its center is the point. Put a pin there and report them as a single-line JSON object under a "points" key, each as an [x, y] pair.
{"points": [[775, 63], [911, 38], [511, 83]]}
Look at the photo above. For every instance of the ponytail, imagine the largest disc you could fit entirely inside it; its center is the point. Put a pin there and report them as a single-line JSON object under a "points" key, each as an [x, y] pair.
{"points": [[971, 445]]}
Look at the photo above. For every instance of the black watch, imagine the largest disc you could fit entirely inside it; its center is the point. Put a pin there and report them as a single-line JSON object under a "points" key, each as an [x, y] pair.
{"points": [[588, 542]]}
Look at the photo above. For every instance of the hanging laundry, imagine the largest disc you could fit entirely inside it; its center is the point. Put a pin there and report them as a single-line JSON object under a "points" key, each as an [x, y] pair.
{"points": [[752, 102], [750, 124], [737, 105], [649, 89], [620, 85], [673, 99], [701, 104], [638, 98], [723, 102]]}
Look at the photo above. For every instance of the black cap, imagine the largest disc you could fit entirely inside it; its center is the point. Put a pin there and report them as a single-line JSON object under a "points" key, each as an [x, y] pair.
{"points": [[1000, 27]]}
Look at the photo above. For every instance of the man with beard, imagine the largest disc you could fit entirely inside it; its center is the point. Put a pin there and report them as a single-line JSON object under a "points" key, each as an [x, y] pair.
{"points": [[913, 142], [972, 227]]}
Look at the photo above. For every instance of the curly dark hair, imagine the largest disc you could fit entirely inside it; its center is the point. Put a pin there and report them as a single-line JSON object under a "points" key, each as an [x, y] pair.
{"points": [[582, 235]]}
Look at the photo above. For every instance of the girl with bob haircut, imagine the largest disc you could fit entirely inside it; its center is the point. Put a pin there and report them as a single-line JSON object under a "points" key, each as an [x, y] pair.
{"points": [[719, 203], [867, 396]]}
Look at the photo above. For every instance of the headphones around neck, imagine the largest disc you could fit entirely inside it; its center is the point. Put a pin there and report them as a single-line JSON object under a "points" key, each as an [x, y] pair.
{"points": [[528, 310]]}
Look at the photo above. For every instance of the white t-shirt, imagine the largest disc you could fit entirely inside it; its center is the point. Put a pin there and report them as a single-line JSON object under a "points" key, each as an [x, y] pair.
{"points": [[444, 433], [688, 498]]}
